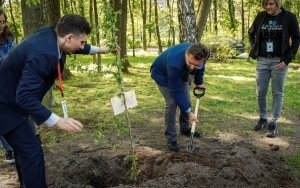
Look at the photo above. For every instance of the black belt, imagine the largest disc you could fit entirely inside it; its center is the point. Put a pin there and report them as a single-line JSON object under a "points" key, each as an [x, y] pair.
{"points": [[270, 56]]}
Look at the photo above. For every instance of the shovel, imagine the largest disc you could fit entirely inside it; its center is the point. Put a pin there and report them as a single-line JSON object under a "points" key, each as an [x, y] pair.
{"points": [[198, 92]]}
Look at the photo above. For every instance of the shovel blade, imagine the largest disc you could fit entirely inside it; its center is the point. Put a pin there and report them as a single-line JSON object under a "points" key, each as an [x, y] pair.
{"points": [[190, 147]]}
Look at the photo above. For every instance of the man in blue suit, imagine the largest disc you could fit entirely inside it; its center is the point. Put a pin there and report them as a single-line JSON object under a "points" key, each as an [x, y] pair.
{"points": [[170, 71], [27, 72]]}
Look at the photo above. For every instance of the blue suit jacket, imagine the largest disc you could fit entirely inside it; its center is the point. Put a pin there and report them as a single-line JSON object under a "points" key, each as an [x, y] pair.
{"points": [[169, 69], [27, 72]]}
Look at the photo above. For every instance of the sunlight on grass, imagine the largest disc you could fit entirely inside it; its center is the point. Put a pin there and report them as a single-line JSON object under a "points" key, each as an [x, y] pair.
{"points": [[228, 108], [230, 92], [209, 129], [294, 163], [237, 78], [287, 129]]}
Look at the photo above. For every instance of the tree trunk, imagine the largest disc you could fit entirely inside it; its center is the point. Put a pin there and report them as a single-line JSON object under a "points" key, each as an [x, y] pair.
{"points": [[93, 40], [187, 21], [52, 12], [157, 28], [203, 12], [73, 6], [215, 17], [121, 24], [243, 21], [132, 25], [171, 33], [66, 7], [150, 21], [91, 10], [123, 37], [16, 32], [33, 17], [81, 7], [99, 60], [231, 14], [144, 17]]}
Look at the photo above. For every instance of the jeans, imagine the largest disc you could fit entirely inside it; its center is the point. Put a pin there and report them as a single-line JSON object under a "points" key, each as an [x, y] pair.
{"points": [[170, 112], [5, 146], [266, 71]]}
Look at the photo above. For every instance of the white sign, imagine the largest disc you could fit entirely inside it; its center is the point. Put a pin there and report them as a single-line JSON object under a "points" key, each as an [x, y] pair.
{"points": [[64, 107], [118, 102]]}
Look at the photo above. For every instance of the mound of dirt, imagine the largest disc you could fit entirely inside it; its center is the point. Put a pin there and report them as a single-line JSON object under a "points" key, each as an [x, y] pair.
{"points": [[219, 163], [230, 165]]}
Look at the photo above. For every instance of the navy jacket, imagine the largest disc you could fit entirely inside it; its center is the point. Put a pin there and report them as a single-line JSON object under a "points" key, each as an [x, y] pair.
{"points": [[27, 72], [290, 30], [169, 69]]}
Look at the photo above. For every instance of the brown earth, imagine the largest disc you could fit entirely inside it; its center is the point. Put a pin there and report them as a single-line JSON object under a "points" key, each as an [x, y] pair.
{"points": [[228, 160]]}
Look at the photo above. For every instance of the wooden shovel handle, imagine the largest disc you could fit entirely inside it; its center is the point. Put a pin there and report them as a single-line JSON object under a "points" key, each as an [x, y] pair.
{"points": [[196, 114]]}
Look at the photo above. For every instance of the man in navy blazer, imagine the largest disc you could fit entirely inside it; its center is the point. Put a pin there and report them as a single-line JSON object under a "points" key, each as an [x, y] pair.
{"points": [[27, 72], [170, 71]]}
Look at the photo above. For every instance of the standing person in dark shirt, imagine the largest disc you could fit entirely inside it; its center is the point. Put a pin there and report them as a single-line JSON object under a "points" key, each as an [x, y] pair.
{"points": [[170, 71], [274, 38]]}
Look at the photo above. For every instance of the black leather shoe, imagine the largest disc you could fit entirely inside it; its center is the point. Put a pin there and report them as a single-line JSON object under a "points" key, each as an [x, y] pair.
{"points": [[172, 146], [188, 133]]}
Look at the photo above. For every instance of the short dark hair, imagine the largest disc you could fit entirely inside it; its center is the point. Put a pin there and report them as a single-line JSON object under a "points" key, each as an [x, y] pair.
{"points": [[73, 23], [199, 51]]}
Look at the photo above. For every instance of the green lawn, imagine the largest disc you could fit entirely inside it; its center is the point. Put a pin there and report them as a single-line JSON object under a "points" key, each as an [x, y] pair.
{"points": [[229, 104]]}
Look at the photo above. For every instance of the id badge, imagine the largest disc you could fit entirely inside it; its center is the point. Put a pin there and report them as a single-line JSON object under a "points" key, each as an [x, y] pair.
{"points": [[269, 46], [64, 108]]}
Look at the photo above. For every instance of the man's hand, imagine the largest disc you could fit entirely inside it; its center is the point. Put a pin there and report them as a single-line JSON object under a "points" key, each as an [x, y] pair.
{"points": [[116, 51], [105, 50], [69, 124], [192, 118], [201, 86]]}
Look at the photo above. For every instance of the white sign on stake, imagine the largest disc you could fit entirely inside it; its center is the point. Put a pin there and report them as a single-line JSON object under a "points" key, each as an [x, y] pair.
{"points": [[118, 103], [64, 107]]}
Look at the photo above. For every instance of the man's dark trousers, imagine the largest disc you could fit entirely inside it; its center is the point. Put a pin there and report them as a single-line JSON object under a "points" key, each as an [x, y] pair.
{"points": [[29, 153]]}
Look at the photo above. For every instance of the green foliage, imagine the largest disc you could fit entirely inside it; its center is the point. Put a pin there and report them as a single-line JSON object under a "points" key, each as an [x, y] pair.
{"points": [[133, 158], [294, 163], [98, 136], [116, 146], [288, 130], [150, 27], [137, 43], [296, 60], [110, 24], [33, 2], [220, 47]]}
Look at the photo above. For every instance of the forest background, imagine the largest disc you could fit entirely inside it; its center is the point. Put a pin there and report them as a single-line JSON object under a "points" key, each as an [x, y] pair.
{"points": [[144, 23], [151, 26]]}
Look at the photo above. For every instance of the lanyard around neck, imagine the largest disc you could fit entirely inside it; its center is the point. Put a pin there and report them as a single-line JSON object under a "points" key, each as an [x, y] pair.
{"points": [[60, 84]]}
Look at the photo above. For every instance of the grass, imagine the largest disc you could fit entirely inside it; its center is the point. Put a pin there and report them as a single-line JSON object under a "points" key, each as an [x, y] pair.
{"points": [[294, 163], [229, 104]]}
